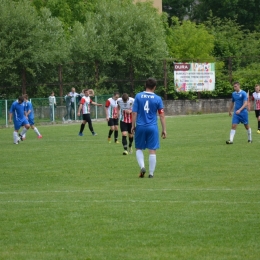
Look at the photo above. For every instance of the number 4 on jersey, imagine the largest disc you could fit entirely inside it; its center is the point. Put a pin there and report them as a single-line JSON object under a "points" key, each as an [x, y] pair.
{"points": [[146, 106]]}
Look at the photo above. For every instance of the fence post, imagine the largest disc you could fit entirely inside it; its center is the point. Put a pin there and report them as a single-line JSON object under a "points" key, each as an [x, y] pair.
{"points": [[165, 79]]}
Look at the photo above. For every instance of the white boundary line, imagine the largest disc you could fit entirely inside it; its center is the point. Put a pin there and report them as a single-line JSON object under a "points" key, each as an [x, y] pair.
{"points": [[133, 201], [121, 190]]}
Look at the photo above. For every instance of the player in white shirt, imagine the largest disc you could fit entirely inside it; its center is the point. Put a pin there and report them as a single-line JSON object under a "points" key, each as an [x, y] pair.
{"points": [[256, 99], [125, 105], [112, 117], [85, 107]]}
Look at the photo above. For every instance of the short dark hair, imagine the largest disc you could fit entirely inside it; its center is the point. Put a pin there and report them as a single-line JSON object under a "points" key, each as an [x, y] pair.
{"points": [[20, 99], [25, 96], [150, 83], [236, 83], [125, 97], [116, 93]]}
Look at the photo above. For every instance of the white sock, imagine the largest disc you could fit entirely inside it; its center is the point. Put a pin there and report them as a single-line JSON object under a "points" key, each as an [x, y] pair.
{"points": [[23, 131], [232, 134], [36, 131], [152, 163], [140, 158], [249, 134], [15, 137]]}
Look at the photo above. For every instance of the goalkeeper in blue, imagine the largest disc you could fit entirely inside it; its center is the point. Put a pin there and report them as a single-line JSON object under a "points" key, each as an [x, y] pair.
{"points": [[144, 125], [240, 114]]}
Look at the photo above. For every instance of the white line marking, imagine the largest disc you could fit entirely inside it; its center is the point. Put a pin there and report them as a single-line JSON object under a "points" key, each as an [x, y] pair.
{"points": [[121, 190], [133, 201]]}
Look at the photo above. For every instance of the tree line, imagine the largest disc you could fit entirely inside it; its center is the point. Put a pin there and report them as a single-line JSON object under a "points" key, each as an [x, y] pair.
{"points": [[113, 45]]}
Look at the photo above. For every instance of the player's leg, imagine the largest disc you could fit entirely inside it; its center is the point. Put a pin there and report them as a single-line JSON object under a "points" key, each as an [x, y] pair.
{"points": [[116, 131], [130, 138], [140, 137], [249, 133], [110, 123], [36, 131], [26, 126], [90, 126], [257, 114], [16, 137], [82, 126], [123, 128], [244, 120], [235, 122], [152, 144]]}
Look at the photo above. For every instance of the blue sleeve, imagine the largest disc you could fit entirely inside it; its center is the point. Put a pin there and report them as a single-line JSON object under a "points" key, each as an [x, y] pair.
{"points": [[135, 105], [160, 103], [11, 108], [244, 96]]}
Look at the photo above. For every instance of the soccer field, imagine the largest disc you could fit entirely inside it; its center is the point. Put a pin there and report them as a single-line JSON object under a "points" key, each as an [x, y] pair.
{"points": [[70, 197]]}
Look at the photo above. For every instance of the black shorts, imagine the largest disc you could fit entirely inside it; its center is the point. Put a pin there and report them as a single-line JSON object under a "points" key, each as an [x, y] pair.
{"points": [[125, 127], [112, 121], [86, 117], [257, 113]]}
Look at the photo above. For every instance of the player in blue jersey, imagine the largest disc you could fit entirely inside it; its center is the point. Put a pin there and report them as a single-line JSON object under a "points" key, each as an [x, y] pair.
{"points": [[240, 115], [17, 112], [29, 113], [144, 125]]}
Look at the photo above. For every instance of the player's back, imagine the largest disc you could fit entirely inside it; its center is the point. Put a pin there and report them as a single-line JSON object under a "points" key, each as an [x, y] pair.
{"points": [[146, 105]]}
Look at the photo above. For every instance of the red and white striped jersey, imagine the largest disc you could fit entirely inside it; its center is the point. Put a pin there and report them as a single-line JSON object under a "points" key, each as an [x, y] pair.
{"points": [[85, 101], [256, 98], [125, 117], [112, 109]]}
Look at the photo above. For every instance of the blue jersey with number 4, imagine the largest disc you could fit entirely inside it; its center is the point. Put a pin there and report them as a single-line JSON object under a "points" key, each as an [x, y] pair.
{"points": [[146, 105]]}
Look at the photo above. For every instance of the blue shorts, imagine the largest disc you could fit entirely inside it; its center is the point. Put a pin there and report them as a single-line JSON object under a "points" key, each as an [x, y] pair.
{"points": [[240, 118], [31, 121], [147, 137], [19, 123]]}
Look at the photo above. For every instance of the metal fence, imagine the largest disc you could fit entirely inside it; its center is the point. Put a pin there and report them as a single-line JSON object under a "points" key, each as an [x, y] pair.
{"points": [[43, 112]]}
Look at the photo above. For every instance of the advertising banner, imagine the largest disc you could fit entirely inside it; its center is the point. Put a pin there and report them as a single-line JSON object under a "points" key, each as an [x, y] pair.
{"points": [[194, 76]]}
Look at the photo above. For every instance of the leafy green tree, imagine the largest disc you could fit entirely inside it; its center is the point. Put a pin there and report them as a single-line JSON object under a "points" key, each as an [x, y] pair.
{"points": [[28, 41], [245, 12], [122, 38], [188, 41]]}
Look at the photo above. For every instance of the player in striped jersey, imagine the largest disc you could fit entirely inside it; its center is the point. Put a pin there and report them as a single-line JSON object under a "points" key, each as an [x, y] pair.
{"points": [[125, 105], [85, 107], [256, 99], [111, 110]]}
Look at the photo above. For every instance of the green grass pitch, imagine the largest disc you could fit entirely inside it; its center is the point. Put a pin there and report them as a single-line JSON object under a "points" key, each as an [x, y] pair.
{"points": [[71, 197]]}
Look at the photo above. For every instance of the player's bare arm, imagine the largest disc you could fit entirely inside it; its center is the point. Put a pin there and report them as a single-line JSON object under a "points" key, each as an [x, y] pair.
{"points": [[163, 123], [231, 108], [10, 117], [80, 107], [96, 104], [134, 114], [241, 108]]}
